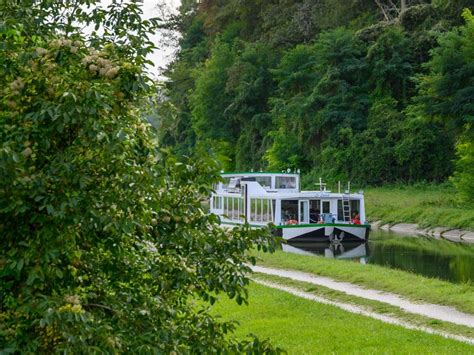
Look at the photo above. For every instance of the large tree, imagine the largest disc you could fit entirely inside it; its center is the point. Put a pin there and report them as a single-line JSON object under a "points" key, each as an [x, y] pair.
{"points": [[104, 244]]}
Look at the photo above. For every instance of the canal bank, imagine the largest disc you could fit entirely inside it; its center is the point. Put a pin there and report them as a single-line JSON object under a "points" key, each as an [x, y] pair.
{"points": [[451, 234], [433, 210]]}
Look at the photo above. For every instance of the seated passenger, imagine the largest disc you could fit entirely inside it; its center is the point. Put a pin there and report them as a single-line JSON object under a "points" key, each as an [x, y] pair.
{"points": [[291, 221], [356, 219], [314, 216]]}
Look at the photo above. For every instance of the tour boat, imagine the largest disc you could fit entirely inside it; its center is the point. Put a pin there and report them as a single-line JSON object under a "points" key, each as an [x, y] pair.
{"points": [[261, 198]]}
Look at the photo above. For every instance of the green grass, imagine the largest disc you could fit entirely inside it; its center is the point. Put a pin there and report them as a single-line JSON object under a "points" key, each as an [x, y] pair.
{"points": [[370, 305], [426, 205], [409, 285], [305, 327]]}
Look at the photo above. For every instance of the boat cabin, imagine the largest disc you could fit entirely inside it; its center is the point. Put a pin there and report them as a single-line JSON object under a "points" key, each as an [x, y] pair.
{"points": [[261, 198]]}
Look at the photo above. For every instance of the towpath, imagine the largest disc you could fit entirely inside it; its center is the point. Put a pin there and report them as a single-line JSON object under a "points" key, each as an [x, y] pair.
{"points": [[443, 313]]}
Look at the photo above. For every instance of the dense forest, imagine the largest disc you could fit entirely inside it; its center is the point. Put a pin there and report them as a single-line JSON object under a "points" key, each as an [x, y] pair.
{"points": [[375, 92]]}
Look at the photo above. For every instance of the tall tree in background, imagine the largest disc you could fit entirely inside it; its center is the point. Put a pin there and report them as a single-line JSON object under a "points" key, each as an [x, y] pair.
{"points": [[447, 96]]}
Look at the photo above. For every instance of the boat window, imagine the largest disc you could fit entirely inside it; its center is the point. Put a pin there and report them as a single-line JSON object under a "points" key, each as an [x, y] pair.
{"points": [[233, 208], [258, 210], [234, 183], [289, 211], [285, 182], [273, 209], [261, 210], [326, 207], [264, 181], [217, 202], [225, 184], [304, 209], [355, 207], [340, 211]]}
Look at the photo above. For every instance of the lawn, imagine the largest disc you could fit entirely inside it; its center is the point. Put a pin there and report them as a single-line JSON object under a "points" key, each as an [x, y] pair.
{"points": [[426, 205], [412, 286], [305, 327]]}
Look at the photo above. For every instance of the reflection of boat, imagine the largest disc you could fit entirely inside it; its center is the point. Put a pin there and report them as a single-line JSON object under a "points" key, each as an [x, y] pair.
{"points": [[263, 198], [329, 250]]}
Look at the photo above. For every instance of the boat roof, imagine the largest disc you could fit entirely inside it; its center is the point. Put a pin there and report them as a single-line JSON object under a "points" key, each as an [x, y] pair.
{"points": [[248, 173]]}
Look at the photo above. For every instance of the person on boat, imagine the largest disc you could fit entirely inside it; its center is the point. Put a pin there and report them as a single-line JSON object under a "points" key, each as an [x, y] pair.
{"points": [[356, 218], [314, 216], [321, 219], [291, 221]]}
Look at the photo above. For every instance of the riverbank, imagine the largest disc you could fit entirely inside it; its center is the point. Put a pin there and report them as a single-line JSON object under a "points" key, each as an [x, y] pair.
{"points": [[303, 326], [453, 235], [427, 209]]}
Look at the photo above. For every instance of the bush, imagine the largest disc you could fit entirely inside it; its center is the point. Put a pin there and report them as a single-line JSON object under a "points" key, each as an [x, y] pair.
{"points": [[105, 246]]}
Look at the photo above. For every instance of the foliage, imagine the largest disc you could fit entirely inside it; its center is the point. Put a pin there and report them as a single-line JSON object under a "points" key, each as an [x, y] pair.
{"points": [[105, 246], [329, 87], [463, 177], [447, 96]]}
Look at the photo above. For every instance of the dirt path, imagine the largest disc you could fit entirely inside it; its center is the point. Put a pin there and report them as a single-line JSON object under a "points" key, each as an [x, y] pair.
{"points": [[444, 313], [359, 310]]}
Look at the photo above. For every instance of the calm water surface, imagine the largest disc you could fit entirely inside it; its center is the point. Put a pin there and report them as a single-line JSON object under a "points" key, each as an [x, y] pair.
{"points": [[421, 255]]}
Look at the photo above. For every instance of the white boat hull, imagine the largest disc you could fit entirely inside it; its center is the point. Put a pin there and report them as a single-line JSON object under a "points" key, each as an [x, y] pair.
{"points": [[324, 232]]}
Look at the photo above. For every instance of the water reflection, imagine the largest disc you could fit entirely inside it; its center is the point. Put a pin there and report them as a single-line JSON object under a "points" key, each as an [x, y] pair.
{"points": [[330, 250], [429, 257]]}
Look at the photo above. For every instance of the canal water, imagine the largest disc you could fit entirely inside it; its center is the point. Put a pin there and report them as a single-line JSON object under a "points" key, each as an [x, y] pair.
{"points": [[430, 257]]}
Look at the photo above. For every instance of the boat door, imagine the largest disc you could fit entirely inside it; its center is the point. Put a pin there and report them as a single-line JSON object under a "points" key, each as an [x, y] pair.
{"points": [[326, 211], [303, 216]]}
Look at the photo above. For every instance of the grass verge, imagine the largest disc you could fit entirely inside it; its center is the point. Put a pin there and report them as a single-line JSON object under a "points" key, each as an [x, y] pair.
{"points": [[305, 327], [370, 305], [425, 205], [409, 285]]}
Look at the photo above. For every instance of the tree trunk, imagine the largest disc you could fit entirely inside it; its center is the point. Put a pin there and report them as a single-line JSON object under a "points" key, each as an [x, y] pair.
{"points": [[403, 5]]}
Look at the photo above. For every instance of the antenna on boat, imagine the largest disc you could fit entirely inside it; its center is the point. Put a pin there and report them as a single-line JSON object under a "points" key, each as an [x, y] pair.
{"points": [[339, 187], [322, 186], [348, 187]]}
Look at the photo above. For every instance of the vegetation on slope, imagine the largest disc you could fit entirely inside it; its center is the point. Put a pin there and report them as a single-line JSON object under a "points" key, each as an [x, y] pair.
{"points": [[423, 204], [345, 90]]}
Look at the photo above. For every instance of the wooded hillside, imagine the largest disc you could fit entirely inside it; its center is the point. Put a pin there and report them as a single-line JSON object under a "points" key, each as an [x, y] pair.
{"points": [[375, 92]]}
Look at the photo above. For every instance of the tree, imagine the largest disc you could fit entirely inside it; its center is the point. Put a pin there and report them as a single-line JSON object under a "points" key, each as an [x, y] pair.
{"points": [[321, 90], [447, 96], [105, 246]]}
